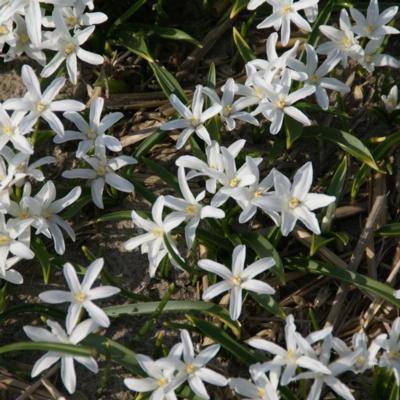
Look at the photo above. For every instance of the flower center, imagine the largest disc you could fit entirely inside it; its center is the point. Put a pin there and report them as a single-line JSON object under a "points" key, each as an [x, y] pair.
{"points": [[24, 214], [80, 297], [258, 194], [261, 392], [47, 214], [190, 210], [4, 240], [360, 361], [40, 107], [294, 202], [24, 38], [101, 170], [69, 49], [157, 232], [370, 28], [91, 133], [394, 354], [258, 92], [314, 78], [71, 21], [162, 382], [227, 110], [346, 42], [281, 103], [291, 354], [190, 368], [287, 9], [234, 182], [3, 30], [194, 122], [8, 130], [237, 280]]}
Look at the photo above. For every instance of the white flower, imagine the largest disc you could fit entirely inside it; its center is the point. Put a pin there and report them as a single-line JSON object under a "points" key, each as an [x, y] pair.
{"points": [[81, 295], [193, 368], [11, 131], [237, 279], [11, 275], [390, 345], [330, 379], [316, 75], [152, 242], [372, 57], [366, 355], [374, 25], [231, 177], [231, 110], [254, 196], [192, 121], [298, 353], [214, 162], [281, 102], [42, 105], [190, 208], [10, 243], [294, 201], [21, 44], [68, 49], [58, 335], [259, 388], [283, 13], [6, 31], [45, 208], [92, 133], [102, 173], [391, 101], [342, 41], [160, 374]]}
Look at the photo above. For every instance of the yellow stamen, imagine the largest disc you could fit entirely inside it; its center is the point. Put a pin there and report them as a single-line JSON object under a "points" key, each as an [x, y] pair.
{"points": [[91, 133], [227, 110], [194, 122], [234, 182], [71, 21], [80, 297], [281, 103], [258, 194], [24, 214], [258, 92], [3, 30], [189, 369], [47, 214], [40, 107], [294, 202], [314, 78], [261, 392], [190, 210], [24, 38], [157, 232], [291, 354], [237, 280], [8, 130], [360, 361], [101, 170], [162, 382], [285, 10], [370, 28], [69, 49], [346, 42], [4, 240]]}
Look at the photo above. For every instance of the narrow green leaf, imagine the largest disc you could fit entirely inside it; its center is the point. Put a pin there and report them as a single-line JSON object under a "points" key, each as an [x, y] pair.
{"points": [[134, 42], [293, 130], [40, 309], [264, 248], [167, 82], [269, 303], [389, 230], [42, 256], [115, 216], [362, 282], [238, 6], [77, 207], [244, 49], [345, 141], [240, 352], [129, 12]]}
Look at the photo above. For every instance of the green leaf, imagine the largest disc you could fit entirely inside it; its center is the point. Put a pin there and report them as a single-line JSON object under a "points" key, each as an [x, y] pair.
{"points": [[240, 352], [238, 6], [318, 241], [270, 304], [389, 230], [163, 174], [147, 144], [345, 141], [134, 42], [378, 153], [362, 282], [40, 309], [115, 216], [293, 130], [244, 49], [76, 350], [169, 85], [129, 12], [42, 256], [175, 306], [264, 248]]}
